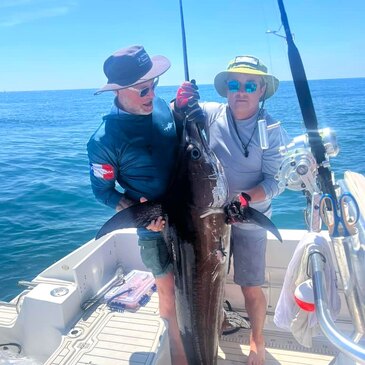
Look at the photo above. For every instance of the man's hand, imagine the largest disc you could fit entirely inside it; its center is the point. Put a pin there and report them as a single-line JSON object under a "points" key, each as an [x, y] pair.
{"points": [[187, 98], [187, 95], [236, 210], [157, 225]]}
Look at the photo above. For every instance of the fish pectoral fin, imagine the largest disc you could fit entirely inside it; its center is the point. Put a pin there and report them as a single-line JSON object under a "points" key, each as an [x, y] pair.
{"points": [[260, 219], [236, 212], [136, 216]]}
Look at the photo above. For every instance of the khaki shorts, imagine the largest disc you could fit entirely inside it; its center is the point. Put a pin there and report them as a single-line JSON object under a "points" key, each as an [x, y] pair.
{"points": [[248, 249], [156, 256]]}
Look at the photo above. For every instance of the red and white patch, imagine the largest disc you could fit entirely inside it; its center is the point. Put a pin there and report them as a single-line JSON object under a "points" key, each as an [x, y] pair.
{"points": [[103, 171]]}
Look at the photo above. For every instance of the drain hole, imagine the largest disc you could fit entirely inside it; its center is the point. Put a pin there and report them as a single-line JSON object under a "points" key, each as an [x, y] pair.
{"points": [[75, 332]]}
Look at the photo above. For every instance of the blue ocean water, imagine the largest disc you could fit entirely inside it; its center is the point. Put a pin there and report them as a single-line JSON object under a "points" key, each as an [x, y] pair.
{"points": [[46, 204]]}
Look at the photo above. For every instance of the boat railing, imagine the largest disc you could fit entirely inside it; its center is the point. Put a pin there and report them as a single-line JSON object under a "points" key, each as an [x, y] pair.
{"points": [[349, 347]]}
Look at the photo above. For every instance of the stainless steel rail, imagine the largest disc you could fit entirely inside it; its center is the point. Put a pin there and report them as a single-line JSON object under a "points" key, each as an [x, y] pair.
{"points": [[340, 341]]}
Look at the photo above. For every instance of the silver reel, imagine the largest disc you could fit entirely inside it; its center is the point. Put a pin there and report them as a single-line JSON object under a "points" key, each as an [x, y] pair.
{"points": [[298, 170]]}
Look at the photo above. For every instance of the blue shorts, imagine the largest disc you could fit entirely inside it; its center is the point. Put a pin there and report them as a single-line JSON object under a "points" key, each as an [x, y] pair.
{"points": [[248, 250], [156, 256]]}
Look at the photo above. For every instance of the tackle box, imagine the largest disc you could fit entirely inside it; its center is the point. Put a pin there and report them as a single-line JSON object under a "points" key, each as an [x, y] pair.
{"points": [[133, 293]]}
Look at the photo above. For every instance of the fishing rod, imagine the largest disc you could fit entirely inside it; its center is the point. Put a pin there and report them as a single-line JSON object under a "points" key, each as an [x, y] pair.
{"points": [[185, 53], [325, 180], [350, 257]]}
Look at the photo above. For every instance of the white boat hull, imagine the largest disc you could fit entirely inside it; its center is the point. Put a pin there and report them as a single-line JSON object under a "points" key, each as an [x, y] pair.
{"points": [[52, 328]]}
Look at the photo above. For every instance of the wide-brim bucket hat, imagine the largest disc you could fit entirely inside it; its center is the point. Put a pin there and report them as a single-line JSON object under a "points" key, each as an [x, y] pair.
{"points": [[246, 65], [132, 66]]}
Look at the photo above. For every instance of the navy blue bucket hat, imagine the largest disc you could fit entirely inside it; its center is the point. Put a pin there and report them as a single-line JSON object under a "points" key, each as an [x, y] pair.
{"points": [[131, 66]]}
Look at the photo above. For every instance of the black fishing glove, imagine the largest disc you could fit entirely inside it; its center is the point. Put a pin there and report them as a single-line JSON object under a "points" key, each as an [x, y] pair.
{"points": [[236, 210]]}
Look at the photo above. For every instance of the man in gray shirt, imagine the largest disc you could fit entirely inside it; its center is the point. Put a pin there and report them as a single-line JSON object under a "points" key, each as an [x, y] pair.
{"points": [[233, 135]]}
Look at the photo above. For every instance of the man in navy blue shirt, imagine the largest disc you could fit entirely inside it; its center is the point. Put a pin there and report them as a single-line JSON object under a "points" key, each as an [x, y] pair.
{"points": [[136, 147]]}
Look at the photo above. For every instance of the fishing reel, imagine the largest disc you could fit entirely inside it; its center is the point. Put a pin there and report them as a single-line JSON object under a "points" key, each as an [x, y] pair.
{"points": [[298, 170]]}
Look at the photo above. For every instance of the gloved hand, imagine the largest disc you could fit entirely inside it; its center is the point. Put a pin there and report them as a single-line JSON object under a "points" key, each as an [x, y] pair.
{"points": [[236, 210], [244, 199], [187, 98], [187, 95]]}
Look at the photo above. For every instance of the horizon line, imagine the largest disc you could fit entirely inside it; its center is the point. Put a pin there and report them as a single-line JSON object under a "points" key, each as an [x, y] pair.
{"points": [[177, 85]]}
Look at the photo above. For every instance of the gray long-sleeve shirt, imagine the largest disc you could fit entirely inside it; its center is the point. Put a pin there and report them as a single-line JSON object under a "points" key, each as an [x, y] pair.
{"points": [[260, 167]]}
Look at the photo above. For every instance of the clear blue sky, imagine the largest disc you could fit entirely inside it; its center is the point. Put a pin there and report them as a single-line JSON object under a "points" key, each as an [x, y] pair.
{"points": [[62, 44]]}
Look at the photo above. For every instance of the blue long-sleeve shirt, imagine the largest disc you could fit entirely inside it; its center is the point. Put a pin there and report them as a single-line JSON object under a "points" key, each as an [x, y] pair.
{"points": [[136, 151]]}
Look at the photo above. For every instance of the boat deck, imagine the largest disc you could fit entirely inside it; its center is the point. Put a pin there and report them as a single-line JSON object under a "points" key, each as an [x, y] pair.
{"points": [[105, 337], [281, 348]]}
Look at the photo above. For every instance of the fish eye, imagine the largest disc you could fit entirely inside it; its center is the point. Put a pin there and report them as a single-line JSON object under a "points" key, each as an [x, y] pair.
{"points": [[195, 153]]}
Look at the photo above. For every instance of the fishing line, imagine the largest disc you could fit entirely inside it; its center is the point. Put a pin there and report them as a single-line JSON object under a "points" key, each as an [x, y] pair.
{"points": [[266, 24], [270, 16]]}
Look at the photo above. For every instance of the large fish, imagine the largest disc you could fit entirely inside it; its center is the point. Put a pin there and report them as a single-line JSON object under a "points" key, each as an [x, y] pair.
{"points": [[196, 211]]}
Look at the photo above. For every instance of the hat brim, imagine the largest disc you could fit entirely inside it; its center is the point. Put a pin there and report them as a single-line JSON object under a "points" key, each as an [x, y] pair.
{"points": [[220, 81], [160, 65]]}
